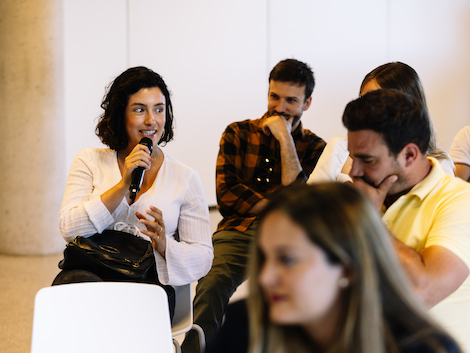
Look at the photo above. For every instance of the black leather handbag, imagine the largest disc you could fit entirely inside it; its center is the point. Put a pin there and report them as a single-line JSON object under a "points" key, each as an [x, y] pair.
{"points": [[111, 251]]}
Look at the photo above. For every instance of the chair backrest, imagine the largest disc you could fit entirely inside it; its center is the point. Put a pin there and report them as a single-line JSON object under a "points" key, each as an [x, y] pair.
{"points": [[101, 317], [183, 318]]}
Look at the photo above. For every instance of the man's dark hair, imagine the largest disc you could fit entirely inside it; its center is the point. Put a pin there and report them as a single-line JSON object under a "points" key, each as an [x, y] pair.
{"points": [[297, 72], [397, 116]]}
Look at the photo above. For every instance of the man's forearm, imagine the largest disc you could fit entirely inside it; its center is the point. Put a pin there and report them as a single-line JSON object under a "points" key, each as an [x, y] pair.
{"points": [[258, 207], [462, 171], [411, 261], [435, 272], [290, 165]]}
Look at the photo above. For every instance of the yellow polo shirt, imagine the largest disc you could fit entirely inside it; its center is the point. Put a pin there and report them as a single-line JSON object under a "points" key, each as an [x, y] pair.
{"points": [[436, 211]]}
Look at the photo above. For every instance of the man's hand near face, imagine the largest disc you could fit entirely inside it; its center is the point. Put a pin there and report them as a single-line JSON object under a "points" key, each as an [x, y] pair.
{"points": [[279, 127], [375, 194]]}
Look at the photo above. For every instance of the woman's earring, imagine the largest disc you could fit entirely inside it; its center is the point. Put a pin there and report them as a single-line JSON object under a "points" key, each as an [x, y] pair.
{"points": [[343, 282]]}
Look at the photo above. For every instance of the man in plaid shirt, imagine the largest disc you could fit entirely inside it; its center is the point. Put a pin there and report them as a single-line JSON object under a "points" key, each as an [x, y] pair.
{"points": [[256, 157]]}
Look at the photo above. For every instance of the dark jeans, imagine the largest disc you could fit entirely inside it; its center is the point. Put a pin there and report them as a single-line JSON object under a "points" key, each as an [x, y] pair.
{"points": [[77, 276], [231, 253]]}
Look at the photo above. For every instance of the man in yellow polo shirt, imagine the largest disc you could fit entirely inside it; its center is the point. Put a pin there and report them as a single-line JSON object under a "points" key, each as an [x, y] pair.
{"points": [[425, 209]]}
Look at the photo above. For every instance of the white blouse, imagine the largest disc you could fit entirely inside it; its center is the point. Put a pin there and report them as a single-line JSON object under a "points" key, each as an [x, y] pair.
{"points": [[177, 191], [460, 149]]}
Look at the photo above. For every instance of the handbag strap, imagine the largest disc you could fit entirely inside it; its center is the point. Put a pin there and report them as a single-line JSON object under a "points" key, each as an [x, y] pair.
{"points": [[148, 253]]}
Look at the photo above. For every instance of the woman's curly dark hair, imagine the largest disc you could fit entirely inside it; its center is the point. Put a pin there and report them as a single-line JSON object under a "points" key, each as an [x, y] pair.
{"points": [[111, 125]]}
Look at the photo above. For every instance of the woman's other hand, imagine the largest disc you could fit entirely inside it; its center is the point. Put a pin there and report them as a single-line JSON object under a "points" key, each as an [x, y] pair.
{"points": [[155, 228]]}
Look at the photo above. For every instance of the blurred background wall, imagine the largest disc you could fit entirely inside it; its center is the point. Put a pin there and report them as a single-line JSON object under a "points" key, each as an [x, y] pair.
{"points": [[57, 58]]}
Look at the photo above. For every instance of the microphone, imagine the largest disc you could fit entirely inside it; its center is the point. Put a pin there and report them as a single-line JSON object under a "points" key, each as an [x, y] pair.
{"points": [[138, 173]]}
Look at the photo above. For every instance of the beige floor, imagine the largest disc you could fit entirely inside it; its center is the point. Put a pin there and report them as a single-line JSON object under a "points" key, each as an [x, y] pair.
{"points": [[20, 279]]}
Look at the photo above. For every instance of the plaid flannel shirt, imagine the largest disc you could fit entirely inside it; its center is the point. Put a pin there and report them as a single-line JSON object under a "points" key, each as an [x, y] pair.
{"points": [[243, 150]]}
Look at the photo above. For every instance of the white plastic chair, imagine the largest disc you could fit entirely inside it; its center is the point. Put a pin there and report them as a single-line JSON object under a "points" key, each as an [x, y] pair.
{"points": [[183, 318], [101, 317]]}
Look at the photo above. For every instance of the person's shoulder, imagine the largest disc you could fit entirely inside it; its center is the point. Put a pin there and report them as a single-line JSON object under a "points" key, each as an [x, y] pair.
{"points": [[461, 141], [244, 125], [445, 342], [176, 167], [455, 184], [426, 340], [308, 132], [449, 192], [464, 132], [94, 154], [438, 182], [308, 135], [175, 163]]}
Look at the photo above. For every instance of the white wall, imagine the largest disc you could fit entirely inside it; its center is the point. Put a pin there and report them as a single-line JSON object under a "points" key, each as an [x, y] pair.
{"points": [[216, 56]]}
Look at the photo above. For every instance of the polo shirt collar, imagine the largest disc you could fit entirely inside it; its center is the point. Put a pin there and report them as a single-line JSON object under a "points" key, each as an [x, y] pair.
{"points": [[424, 187]]}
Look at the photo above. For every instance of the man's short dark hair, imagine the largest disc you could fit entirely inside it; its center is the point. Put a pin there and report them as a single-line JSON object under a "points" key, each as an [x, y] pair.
{"points": [[397, 116], [295, 71]]}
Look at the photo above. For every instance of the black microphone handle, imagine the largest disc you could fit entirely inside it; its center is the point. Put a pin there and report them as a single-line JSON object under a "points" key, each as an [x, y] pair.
{"points": [[138, 173], [137, 177]]}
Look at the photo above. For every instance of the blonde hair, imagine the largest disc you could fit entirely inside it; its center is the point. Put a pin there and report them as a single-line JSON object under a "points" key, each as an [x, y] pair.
{"points": [[338, 219]]}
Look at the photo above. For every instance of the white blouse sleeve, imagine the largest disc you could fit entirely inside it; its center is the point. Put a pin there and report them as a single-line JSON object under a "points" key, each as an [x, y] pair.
{"points": [[460, 149], [331, 162], [82, 213], [190, 258]]}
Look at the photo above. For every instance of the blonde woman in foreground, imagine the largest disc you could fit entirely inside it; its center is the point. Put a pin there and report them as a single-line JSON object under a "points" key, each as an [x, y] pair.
{"points": [[324, 278]]}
